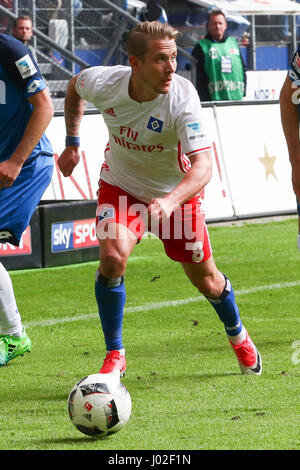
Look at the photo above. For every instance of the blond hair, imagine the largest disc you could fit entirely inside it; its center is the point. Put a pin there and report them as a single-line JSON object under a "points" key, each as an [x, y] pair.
{"points": [[137, 39]]}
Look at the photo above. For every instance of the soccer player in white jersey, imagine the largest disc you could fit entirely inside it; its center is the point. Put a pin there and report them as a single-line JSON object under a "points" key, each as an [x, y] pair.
{"points": [[156, 163]]}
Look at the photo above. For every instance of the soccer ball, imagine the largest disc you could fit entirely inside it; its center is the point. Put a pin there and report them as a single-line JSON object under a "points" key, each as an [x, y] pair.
{"points": [[99, 405]]}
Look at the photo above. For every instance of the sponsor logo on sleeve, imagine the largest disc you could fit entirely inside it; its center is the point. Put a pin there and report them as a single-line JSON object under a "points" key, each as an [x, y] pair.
{"points": [[194, 131], [34, 86], [25, 66]]}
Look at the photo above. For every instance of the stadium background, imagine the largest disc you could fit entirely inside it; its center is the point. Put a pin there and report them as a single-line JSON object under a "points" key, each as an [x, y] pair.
{"points": [[251, 174]]}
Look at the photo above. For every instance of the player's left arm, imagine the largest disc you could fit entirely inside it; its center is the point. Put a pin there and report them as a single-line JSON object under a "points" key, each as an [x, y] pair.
{"points": [[191, 184], [41, 115]]}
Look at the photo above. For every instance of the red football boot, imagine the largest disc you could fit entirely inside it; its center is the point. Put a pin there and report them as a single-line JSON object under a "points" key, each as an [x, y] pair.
{"points": [[113, 361], [248, 356]]}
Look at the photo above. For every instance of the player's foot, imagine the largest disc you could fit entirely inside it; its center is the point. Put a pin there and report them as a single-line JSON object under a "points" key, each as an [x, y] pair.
{"points": [[114, 361], [248, 356], [12, 347]]}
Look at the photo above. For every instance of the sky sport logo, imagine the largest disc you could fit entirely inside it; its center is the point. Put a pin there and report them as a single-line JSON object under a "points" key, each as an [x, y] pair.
{"points": [[73, 235]]}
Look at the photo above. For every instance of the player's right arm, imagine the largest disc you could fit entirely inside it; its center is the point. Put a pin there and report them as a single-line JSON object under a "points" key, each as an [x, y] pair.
{"points": [[37, 124], [74, 110], [290, 124], [191, 184], [22, 72], [289, 108]]}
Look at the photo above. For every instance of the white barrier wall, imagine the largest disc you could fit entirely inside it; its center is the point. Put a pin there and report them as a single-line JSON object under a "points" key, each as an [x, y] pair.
{"points": [[251, 170], [84, 180], [256, 159], [264, 84]]}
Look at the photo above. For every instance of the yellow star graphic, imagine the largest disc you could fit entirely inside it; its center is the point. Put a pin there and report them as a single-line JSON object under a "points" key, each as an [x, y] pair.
{"points": [[268, 163]]}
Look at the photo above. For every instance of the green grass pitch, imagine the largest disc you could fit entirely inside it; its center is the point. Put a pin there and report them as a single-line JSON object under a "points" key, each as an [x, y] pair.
{"points": [[186, 388]]}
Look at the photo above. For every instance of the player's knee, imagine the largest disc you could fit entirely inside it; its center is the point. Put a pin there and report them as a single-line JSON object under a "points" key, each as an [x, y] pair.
{"points": [[113, 264], [209, 286], [206, 286]]}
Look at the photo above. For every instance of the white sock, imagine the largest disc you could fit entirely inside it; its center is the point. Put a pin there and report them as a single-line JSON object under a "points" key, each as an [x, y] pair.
{"points": [[238, 339], [121, 351], [10, 319]]}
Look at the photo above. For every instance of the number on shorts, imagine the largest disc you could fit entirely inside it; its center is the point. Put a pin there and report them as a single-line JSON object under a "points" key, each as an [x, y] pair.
{"points": [[198, 253]]}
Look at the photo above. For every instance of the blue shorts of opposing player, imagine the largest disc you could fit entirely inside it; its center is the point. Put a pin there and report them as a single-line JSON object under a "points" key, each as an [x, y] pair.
{"points": [[19, 201]]}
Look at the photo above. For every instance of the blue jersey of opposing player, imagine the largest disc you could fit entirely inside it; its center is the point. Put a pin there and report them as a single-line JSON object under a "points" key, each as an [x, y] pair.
{"points": [[20, 78], [294, 70], [20, 84], [294, 74]]}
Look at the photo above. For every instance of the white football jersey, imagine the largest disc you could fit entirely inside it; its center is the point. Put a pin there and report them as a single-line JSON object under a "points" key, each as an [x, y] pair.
{"points": [[149, 143]]}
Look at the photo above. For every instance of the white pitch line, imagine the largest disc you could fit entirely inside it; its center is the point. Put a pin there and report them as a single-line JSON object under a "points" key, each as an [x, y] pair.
{"points": [[158, 305]]}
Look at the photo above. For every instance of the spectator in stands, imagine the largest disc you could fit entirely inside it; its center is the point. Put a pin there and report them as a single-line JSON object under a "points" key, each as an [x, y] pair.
{"points": [[22, 30], [26, 166], [221, 73], [154, 11], [290, 107]]}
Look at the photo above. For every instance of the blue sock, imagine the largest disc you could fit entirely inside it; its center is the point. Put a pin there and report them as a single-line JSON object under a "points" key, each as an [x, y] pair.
{"points": [[227, 309], [111, 297]]}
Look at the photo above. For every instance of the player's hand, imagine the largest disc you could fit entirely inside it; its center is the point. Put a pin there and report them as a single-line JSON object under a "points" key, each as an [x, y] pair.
{"points": [[68, 160], [9, 171], [160, 209]]}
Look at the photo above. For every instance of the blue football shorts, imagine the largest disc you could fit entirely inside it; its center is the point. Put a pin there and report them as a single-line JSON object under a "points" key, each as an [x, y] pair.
{"points": [[19, 201]]}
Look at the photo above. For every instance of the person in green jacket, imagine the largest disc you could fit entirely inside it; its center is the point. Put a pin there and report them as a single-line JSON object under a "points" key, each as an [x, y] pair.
{"points": [[221, 73]]}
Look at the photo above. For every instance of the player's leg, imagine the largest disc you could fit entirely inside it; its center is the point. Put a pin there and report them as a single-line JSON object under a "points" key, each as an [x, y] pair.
{"points": [[110, 293], [17, 204], [119, 227], [217, 288], [195, 254], [10, 319], [13, 338]]}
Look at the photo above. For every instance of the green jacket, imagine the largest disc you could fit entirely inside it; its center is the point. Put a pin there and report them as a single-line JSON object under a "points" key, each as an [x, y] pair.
{"points": [[222, 65]]}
